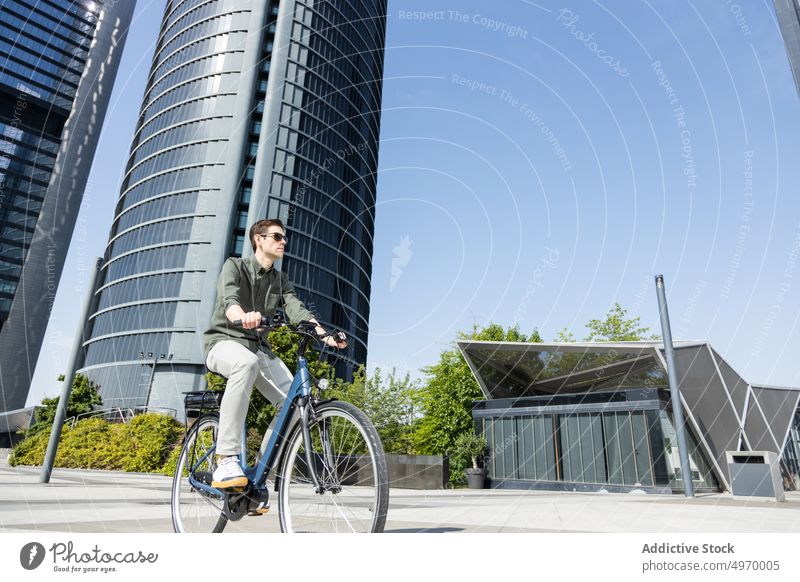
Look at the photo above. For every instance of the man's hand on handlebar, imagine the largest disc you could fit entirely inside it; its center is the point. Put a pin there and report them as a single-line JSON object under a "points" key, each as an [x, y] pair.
{"points": [[252, 320], [336, 339]]}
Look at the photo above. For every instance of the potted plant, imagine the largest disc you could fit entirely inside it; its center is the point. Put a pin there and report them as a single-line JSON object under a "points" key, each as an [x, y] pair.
{"points": [[472, 446]]}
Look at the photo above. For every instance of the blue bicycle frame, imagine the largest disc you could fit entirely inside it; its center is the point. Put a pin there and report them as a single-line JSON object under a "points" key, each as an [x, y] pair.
{"points": [[299, 392]]}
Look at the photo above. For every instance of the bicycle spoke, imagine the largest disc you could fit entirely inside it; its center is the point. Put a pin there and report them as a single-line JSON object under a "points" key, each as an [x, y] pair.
{"points": [[192, 509], [351, 468]]}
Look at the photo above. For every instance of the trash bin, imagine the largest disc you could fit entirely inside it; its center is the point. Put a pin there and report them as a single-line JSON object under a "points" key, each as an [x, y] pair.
{"points": [[755, 474]]}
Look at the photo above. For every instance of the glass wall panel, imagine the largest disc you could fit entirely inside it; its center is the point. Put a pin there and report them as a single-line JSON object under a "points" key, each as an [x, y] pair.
{"points": [[660, 469], [522, 448], [526, 461], [501, 433], [545, 449], [208, 27], [791, 454], [158, 259], [184, 203], [210, 88], [702, 476], [569, 445], [167, 285], [164, 112], [203, 129], [641, 447], [613, 449], [159, 232], [626, 448], [145, 316], [593, 457], [124, 386], [124, 348]]}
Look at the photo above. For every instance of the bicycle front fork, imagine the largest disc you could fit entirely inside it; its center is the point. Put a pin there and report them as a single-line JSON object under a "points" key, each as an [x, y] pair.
{"points": [[322, 459], [312, 470]]}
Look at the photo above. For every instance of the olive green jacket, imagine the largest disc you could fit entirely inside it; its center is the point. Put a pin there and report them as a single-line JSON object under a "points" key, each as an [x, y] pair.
{"points": [[246, 283]]}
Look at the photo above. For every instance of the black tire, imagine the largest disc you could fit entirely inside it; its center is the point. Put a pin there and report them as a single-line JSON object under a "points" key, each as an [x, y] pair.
{"points": [[352, 467], [193, 512]]}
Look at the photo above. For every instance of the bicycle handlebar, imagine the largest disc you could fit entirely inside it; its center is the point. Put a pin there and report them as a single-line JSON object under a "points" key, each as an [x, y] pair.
{"points": [[304, 328]]}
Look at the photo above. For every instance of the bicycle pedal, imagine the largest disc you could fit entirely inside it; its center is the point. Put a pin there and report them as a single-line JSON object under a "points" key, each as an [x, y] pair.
{"points": [[233, 490], [258, 511]]}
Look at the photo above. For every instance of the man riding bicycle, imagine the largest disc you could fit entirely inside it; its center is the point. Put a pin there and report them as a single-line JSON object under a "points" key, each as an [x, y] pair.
{"points": [[247, 289]]}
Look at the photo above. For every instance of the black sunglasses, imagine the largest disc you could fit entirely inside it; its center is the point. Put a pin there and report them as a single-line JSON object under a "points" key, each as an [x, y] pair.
{"points": [[276, 236]]}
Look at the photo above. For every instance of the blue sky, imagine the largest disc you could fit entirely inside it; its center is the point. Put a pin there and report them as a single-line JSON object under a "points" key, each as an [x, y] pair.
{"points": [[540, 162]]}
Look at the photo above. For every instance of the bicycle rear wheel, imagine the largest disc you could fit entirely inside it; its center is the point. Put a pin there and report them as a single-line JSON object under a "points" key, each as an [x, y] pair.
{"points": [[348, 458], [192, 510]]}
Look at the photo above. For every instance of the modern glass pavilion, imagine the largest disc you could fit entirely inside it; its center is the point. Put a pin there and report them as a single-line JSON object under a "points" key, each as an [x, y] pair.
{"points": [[591, 416]]}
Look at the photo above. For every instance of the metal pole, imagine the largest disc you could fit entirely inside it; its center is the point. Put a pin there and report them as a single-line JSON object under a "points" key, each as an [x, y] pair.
{"points": [[150, 384], [672, 375], [69, 377]]}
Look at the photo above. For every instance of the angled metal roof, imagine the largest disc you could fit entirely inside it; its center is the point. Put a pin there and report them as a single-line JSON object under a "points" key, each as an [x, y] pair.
{"points": [[14, 420], [725, 411]]}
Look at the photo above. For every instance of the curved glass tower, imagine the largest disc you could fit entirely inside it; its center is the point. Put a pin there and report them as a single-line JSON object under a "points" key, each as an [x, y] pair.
{"points": [[252, 109]]}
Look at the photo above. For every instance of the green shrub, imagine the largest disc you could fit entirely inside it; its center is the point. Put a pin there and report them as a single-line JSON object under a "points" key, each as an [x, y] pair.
{"points": [[147, 444], [169, 466], [92, 443], [30, 451], [85, 397], [151, 438]]}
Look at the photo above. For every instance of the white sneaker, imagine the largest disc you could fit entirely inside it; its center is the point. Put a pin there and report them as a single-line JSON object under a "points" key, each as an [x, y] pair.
{"points": [[228, 474]]}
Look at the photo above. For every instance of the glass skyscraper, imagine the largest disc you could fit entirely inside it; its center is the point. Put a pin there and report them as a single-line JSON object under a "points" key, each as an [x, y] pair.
{"points": [[58, 60], [788, 12], [253, 109]]}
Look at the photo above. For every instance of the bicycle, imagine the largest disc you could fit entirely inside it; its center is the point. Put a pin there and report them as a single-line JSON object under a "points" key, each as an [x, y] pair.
{"points": [[331, 473]]}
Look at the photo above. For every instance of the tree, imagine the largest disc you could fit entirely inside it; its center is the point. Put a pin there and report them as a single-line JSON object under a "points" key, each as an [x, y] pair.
{"points": [[387, 403], [85, 396], [565, 336], [284, 344], [471, 448], [618, 327], [446, 398]]}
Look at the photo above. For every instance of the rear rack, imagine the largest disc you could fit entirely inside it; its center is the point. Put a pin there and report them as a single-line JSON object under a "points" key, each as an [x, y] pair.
{"points": [[196, 403]]}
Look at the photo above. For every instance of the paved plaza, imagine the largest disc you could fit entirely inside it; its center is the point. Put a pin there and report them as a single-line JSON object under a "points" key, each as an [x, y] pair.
{"points": [[109, 501]]}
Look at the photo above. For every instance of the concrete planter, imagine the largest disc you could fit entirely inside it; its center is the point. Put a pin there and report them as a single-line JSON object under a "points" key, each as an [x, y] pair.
{"points": [[475, 478]]}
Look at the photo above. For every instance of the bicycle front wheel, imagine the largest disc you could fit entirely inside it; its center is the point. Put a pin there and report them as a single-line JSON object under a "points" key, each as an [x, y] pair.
{"points": [[347, 457], [194, 511]]}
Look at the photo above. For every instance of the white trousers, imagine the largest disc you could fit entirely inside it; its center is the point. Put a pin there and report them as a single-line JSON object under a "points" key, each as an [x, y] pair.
{"points": [[243, 368]]}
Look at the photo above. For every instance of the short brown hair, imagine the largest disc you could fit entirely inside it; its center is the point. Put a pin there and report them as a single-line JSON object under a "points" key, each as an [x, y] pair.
{"points": [[262, 227]]}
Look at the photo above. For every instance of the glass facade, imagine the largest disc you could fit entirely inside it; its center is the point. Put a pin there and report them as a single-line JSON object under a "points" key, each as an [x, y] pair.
{"points": [[788, 12], [323, 178], [43, 49], [186, 199], [623, 439], [58, 62], [791, 454]]}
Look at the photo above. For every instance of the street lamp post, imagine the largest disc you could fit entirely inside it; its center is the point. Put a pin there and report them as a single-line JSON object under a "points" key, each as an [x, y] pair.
{"points": [[675, 395], [156, 358]]}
